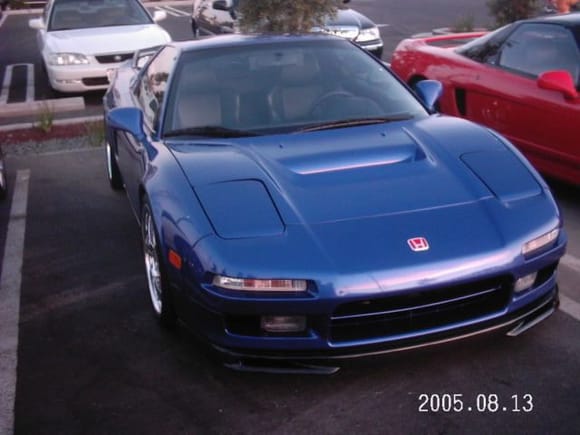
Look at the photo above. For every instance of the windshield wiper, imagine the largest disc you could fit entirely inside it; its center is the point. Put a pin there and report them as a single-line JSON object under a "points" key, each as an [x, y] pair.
{"points": [[210, 131], [343, 123]]}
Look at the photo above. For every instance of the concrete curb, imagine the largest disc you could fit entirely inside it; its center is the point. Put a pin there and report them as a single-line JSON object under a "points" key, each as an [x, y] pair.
{"points": [[35, 108], [67, 121]]}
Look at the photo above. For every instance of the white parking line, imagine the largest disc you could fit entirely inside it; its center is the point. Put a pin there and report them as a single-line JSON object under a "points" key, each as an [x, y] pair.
{"points": [[8, 82], [173, 11], [571, 262], [10, 280], [570, 306]]}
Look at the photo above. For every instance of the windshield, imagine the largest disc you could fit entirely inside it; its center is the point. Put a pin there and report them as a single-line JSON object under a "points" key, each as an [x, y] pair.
{"points": [[82, 14], [287, 87]]}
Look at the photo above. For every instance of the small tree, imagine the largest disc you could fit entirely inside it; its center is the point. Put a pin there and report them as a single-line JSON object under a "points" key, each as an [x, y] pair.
{"points": [[508, 11], [285, 16]]}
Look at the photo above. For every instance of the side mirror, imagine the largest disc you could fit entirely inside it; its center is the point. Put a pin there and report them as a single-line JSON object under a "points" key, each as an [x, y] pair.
{"points": [[222, 5], [429, 91], [36, 24], [560, 81], [159, 16], [141, 57], [128, 119]]}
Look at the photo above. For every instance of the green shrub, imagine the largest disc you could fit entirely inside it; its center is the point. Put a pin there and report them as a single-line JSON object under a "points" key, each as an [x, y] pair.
{"points": [[508, 11], [285, 16]]}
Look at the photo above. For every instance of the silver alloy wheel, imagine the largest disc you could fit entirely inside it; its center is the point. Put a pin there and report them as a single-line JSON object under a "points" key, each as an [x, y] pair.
{"points": [[109, 162], [152, 267]]}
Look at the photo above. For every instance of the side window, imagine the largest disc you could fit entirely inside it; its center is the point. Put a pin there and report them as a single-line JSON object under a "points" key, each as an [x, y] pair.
{"points": [[537, 48], [151, 90], [486, 48]]}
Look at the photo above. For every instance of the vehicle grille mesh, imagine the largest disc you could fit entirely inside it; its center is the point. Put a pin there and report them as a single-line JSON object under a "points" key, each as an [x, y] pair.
{"points": [[418, 311], [114, 58], [95, 81]]}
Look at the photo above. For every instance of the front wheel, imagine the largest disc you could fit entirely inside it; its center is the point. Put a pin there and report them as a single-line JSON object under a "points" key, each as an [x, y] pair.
{"points": [[113, 173], [3, 182], [157, 283]]}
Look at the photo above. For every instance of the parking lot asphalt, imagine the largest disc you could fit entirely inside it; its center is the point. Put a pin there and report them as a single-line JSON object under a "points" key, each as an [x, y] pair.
{"points": [[92, 360], [85, 356]]}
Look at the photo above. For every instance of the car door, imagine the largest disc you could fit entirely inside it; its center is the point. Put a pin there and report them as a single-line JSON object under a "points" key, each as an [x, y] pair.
{"points": [[507, 98], [133, 154]]}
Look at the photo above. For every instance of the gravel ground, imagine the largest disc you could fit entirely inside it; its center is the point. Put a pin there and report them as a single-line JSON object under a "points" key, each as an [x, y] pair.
{"points": [[50, 146], [60, 137]]}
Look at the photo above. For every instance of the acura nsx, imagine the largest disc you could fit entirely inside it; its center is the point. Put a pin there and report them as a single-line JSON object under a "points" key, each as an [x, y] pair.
{"points": [[297, 201], [521, 80]]}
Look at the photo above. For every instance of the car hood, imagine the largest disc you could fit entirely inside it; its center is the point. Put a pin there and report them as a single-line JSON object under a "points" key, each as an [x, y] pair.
{"points": [[341, 197], [362, 172], [117, 39]]}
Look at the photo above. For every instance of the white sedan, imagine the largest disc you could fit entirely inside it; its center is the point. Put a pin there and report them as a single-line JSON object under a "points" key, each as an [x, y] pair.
{"points": [[82, 41]]}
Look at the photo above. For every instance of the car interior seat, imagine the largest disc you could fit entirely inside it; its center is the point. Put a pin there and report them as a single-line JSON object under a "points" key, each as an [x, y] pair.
{"points": [[199, 100], [299, 87]]}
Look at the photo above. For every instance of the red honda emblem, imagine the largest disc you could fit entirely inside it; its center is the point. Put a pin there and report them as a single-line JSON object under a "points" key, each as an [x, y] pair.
{"points": [[418, 244]]}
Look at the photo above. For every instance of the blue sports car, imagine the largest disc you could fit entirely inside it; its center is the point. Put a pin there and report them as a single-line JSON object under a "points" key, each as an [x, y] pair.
{"points": [[298, 202]]}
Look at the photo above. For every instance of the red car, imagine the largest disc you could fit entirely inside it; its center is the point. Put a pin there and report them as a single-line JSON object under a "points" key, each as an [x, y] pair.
{"points": [[521, 80]]}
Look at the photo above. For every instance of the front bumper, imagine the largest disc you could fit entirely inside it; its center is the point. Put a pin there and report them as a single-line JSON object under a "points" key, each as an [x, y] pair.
{"points": [[373, 47], [79, 78], [512, 325], [361, 326]]}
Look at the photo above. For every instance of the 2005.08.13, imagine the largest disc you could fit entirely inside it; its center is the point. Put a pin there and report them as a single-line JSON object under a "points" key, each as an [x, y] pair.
{"points": [[457, 402]]}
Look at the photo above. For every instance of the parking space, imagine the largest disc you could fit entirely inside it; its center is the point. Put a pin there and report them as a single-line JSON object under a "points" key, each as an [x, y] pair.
{"points": [[80, 351], [91, 358]]}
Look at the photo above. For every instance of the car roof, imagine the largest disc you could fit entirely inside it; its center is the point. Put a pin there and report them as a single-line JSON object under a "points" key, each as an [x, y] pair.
{"points": [[230, 40], [568, 20]]}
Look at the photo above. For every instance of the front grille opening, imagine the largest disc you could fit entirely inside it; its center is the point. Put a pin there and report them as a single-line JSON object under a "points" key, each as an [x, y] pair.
{"points": [[113, 58], [95, 81], [419, 311], [421, 297], [545, 274]]}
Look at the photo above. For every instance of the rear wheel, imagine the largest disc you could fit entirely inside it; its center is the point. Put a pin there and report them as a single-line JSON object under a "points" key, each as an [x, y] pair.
{"points": [[3, 182], [157, 283]]}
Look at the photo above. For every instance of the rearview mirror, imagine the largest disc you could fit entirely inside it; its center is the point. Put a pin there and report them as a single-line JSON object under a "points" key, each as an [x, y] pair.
{"points": [[159, 16], [222, 5], [36, 24], [429, 92], [141, 57], [560, 81]]}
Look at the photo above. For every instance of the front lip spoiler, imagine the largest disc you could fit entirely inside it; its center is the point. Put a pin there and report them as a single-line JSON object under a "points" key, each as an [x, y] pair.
{"points": [[514, 326]]}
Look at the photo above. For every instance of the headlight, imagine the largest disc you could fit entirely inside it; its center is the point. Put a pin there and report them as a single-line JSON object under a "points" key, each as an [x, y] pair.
{"points": [[370, 34], [262, 285], [540, 242], [62, 59]]}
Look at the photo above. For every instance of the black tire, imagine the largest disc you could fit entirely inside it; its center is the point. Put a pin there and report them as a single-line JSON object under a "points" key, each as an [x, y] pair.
{"points": [[3, 181], [160, 294], [113, 173]]}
